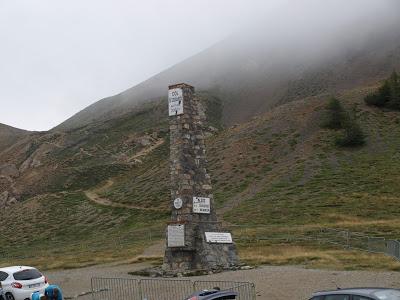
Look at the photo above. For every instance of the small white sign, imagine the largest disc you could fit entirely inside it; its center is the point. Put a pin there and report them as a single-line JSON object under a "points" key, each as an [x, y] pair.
{"points": [[201, 205], [178, 203], [175, 102], [176, 236], [219, 237]]}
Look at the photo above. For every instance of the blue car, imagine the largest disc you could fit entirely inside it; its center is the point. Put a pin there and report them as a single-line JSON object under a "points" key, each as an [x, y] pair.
{"points": [[214, 294]]}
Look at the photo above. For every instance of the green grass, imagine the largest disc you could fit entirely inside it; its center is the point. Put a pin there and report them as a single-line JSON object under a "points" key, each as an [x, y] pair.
{"points": [[282, 168], [146, 184], [351, 188], [67, 228]]}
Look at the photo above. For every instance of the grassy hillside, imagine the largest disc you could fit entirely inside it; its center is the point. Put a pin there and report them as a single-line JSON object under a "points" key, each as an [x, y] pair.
{"points": [[102, 186], [9, 135]]}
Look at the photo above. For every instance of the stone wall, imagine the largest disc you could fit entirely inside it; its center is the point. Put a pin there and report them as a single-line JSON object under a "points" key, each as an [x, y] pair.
{"points": [[189, 178]]}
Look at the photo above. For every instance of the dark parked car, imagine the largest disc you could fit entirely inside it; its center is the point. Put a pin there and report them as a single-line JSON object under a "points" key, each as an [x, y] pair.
{"points": [[358, 294], [214, 294]]}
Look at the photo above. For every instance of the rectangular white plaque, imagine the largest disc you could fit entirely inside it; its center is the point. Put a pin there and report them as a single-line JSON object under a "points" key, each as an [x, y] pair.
{"points": [[201, 205], [219, 237], [175, 102], [176, 235]]}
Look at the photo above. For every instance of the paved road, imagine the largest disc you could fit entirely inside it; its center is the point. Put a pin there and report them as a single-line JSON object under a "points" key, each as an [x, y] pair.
{"points": [[279, 283]]}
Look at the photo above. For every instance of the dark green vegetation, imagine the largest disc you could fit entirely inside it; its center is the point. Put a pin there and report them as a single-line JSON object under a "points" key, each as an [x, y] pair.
{"points": [[317, 184], [281, 170], [335, 115], [387, 95], [338, 118]]}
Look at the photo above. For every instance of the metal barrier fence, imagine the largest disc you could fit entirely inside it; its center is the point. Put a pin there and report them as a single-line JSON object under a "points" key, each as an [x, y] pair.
{"points": [[115, 288], [162, 289], [360, 241]]}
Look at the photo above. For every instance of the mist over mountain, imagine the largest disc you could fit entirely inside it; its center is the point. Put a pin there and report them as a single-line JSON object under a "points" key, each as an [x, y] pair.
{"points": [[273, 62]]}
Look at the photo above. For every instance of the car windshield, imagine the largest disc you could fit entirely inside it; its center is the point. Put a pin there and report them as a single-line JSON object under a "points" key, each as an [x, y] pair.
{"points": [[388, 295], [27, 274]]}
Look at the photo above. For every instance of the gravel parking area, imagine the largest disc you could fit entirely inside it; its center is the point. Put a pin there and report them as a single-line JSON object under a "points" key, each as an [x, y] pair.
{"points": [[286, 282]]}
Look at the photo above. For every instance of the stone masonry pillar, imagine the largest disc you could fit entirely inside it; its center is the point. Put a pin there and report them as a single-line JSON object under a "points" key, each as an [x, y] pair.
{"points": [[194, 237]]}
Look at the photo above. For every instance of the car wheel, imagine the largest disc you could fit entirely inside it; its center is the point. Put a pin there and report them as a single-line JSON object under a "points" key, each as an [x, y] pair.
{"points": [[9, 296]]}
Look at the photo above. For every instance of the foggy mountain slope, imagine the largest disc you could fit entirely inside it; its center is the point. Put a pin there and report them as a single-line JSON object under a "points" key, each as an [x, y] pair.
{"points": [[282, 166], [9, 135], [253, 71]]}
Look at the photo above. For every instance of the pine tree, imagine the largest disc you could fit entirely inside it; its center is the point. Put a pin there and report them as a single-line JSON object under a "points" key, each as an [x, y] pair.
{"points": [[380, 97], [352, 134], [394, 92], [335, 114], [388, 95]]}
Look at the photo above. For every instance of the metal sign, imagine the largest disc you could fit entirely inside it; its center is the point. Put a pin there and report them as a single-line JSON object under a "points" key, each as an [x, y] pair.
{"points": [[219, 237], [175, 102], [178, 203], [201, 205], [176, 235]]}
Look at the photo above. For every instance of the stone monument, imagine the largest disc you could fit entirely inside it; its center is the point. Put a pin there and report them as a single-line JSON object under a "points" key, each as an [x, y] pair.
{"points": [[195, 239]]}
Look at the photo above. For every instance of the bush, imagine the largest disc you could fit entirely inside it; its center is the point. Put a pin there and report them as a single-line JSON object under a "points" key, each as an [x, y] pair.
{"points": [[394, 92], [388, 95], [338, 118], [335, 114], [352, 134]]}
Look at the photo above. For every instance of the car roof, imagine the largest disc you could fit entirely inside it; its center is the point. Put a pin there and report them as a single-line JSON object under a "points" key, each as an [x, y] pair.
{"points": [[14, 269], [212, 294], [365, 291]]}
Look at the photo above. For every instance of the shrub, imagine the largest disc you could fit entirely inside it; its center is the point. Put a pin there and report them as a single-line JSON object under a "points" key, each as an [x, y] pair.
{"points": [[388, 94], [335, 114], [394, 92], [338, 118], [352, 134]]}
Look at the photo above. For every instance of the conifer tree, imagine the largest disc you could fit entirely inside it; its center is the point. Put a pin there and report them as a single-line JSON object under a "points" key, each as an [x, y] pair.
{"points": [[335, 114], [352, 134], [394, 92], [388, 95]]}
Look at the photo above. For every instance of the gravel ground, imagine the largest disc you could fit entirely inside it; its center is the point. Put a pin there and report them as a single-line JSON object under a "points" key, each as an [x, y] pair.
{"points": [[289, 282]]}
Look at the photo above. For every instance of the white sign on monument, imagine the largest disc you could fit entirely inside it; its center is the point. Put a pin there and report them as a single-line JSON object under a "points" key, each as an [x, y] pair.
{"points": [[178, 203], [201, 205], [175, 102], [176, 235], [219, 237]]}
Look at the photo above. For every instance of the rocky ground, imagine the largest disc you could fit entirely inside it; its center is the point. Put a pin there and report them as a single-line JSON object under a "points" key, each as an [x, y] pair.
{"points": [[286, 282]]}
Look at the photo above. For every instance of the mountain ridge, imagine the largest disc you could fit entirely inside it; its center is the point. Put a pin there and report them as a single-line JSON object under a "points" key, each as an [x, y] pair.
{"points": [[265, 74]]}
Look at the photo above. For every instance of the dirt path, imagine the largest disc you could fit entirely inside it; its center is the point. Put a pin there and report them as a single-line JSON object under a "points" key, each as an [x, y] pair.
{"points": [[280, 283], [93, 195], [147, 150]]}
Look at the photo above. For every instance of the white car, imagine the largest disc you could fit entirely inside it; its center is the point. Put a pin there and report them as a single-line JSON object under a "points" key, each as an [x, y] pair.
{"points": [[20, 282]]}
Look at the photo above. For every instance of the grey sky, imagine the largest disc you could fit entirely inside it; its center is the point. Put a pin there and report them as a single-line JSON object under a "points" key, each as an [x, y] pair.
{"points": [[58, 56]]}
